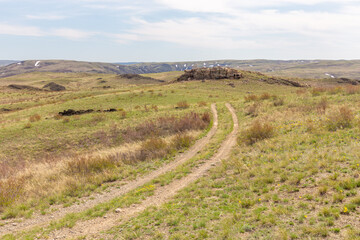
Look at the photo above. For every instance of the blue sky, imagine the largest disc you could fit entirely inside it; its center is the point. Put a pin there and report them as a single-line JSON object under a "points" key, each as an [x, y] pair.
{"points": [[176, 30]]}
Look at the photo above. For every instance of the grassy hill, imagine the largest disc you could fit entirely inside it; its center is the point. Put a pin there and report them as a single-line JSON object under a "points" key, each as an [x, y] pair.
{"points": [[293, 174], [291, 68]]}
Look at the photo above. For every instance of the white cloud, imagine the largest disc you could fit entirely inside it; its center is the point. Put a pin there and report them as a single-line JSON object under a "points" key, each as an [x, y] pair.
{"points": [[71, 34], [68, 33], [18, 30], [46, 17], [260, 30], [231, 6]]}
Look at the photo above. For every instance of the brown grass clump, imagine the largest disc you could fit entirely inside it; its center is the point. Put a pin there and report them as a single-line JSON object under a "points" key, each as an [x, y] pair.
{"points": [[66, 120], [202, 104], [318, 90], [182, 105], [182, 141], [155, 108], [335, 90], [278, 102], [57, 117], [165, 126], [87, 165], [123, 114], [251, 97], [265, 96], [256, 132], [34, 118], [153, 148], [341, 119], [351, 89], [300, 91], [10, 190], [252, 110], [27, 125], [322, 105]]}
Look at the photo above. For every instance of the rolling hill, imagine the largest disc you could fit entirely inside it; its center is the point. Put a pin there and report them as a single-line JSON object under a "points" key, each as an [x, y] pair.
{"points": [[289, 68]]}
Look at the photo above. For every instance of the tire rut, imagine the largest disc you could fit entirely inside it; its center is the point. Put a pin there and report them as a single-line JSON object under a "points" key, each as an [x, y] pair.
{"points": [[92, 228], [115, 191]]}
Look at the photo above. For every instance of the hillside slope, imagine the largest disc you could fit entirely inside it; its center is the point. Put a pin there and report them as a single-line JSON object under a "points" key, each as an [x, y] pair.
{"points": [[290, 68]]}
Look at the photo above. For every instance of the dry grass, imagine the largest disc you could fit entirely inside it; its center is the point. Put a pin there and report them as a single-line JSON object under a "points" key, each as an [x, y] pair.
{"points": [[202, 104], [252, 110], [251, 97], [256, 132], [322, 105], [10, 190], [182, 105], [343, 118], [34, 118]]}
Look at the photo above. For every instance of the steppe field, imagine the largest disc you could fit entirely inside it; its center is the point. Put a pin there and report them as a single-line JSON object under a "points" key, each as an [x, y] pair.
{"points": [[152, 158]]}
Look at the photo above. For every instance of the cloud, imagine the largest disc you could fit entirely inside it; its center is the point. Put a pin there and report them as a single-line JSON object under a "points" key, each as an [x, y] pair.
{"points": [[252, 30], [68, 33], [71, 34], [46, 17], [18, 30], [231, 6]]}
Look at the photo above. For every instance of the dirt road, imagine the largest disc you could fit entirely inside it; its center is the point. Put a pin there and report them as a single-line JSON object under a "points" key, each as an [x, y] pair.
{"points": [[92, 228]]}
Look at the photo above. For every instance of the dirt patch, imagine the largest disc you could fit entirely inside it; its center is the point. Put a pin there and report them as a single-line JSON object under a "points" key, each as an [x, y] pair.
{"points": [[54, 87], [24, 87], [71, 112], [210, 73]]}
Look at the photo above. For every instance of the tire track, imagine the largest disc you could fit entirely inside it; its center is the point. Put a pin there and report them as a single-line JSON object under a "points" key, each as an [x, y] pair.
{"points": [[93, 227], [89, 202]]}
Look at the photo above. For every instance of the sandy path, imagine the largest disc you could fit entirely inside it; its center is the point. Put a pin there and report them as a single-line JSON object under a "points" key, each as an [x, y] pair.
{"points": [[114, 191], [93, 227]]}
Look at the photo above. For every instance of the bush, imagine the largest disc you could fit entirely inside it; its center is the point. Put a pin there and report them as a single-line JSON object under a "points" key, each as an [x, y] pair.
{"points": [[182, 105], [341, 119], [257, 131]]}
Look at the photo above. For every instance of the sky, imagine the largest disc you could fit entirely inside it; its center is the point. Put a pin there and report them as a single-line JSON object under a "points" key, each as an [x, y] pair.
{"points": [[179, 30]]}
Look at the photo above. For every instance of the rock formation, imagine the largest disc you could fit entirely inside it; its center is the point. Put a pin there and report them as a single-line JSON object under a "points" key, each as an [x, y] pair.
{"points": [[210, 73]]}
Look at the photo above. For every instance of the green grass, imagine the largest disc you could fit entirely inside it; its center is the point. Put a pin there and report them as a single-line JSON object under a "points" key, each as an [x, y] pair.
{"points": [[295, 185], [302, 181]]}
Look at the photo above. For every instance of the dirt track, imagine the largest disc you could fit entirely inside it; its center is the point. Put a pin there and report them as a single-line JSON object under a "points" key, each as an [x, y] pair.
{"points": [[115, 191], [92, 228]]}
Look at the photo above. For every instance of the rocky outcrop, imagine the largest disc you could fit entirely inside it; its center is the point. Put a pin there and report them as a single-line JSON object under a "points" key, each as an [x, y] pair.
{"points": [[54, 87], [210, 73]]}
